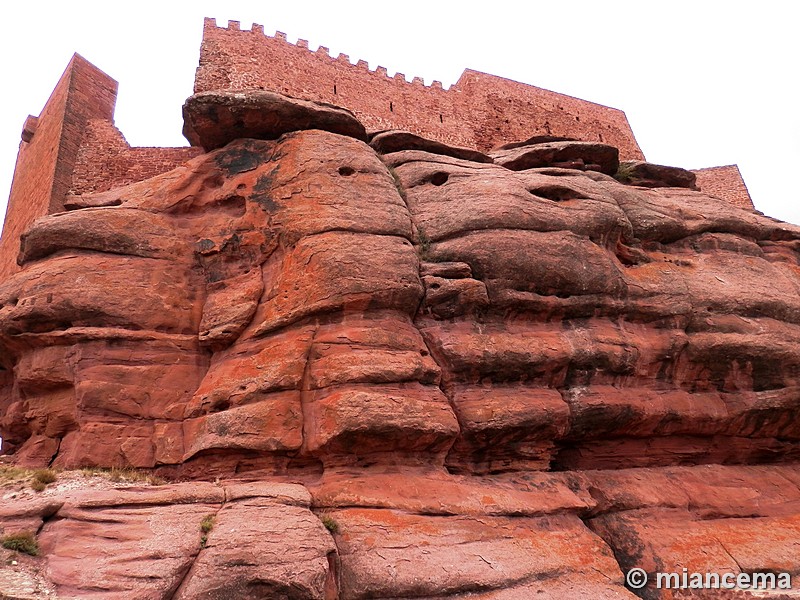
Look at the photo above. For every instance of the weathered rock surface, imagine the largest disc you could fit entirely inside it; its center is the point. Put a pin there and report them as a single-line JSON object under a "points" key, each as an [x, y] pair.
{"points": [[212, 119], [410, 374], [589, 156], [645, 174], [386, 142]]}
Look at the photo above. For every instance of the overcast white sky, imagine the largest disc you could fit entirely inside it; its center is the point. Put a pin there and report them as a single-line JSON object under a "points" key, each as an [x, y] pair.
{"points": [[703, 83]]}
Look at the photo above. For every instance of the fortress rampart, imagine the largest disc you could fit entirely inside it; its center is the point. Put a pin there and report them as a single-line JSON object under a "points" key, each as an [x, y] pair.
{"points": [[480, 111]]}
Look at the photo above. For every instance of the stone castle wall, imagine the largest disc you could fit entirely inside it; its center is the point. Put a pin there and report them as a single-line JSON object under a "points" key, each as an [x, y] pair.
{"points": [[725, 183], [49, 148], [73, 148], [479, 111]]}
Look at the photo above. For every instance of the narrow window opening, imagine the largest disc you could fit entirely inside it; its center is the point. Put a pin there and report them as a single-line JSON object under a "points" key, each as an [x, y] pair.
{"points": [[334, 89], [391, 107], [441, 120]]}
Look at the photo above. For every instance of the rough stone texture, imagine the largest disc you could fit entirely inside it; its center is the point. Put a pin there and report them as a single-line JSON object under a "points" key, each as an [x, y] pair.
{"points": [[480, 111], [725, 183], [212, 119], [408, 375], [638, 172], [386, 142], [584, 156]]}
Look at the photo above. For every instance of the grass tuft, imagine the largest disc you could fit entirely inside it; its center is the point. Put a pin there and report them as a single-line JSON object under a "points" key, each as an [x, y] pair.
{"points": [[206, 525], [397, 185], [424, 244], [330, 523], [9, 473], [37, 478], [625, 173], [123, 475], [45, 476], [24, 542]]}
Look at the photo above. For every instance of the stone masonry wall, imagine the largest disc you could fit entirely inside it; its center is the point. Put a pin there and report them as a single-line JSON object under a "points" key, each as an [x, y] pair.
{"points": [[480, 111], [106, 160], [45, 162], [725, 183], [74, 147]]}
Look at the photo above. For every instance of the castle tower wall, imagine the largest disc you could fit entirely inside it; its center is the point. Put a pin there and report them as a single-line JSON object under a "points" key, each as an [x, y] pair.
{"points": [[73, 147], [725, 183], [49, 149]]}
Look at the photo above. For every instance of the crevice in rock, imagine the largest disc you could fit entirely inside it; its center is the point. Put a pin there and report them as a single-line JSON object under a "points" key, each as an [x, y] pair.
{"points": [[185, 575], [306, 392], [55, 454], [732, 557]]}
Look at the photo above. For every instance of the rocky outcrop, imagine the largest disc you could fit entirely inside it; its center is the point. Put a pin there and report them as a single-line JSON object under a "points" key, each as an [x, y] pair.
{"points": [[407, 374], [570, 154], [385, 142], [645, 174], [212, 119]]}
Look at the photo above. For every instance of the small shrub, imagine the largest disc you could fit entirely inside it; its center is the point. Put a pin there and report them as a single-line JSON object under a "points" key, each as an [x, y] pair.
{"points": [[45, 476], [38, 486], [24, 542], [207, 524], [330, 523]]}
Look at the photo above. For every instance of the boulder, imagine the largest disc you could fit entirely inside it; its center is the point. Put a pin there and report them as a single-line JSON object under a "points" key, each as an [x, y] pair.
{"points": [[583, 156], [386, 142], [212, 119], [645, 174]]}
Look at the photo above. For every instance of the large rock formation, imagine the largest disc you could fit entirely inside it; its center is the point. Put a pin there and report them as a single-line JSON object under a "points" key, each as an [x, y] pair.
{"points": [[402, 375]]}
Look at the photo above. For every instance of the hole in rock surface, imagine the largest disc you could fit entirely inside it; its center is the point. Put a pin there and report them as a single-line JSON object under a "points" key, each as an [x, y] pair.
{"points": [[557, 193], [346, 171], [439, 178]]}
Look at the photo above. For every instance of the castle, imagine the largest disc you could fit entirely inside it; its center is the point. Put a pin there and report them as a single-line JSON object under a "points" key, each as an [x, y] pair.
{"points": [[73, 147]]}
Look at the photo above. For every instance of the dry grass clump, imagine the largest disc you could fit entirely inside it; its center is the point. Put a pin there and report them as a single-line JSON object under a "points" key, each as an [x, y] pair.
{"points": [[123, 475], [23, 541], [38, 479]]}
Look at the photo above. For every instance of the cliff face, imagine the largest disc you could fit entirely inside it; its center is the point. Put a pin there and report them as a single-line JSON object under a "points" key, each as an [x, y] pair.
{"points": [[410, 370]]}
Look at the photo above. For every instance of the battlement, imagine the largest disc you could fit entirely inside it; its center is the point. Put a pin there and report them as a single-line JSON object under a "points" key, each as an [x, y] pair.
{"points": [[210, 25], [479, 111]]}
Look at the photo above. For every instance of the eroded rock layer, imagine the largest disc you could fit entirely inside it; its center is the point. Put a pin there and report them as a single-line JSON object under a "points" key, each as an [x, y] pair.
{"points": [[411, 374]]}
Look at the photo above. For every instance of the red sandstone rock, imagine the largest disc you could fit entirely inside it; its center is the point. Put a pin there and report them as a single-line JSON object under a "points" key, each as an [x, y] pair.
{"points": [[591, 156], [386, 142], [457, 365], [212, 119], [638, 172]]}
